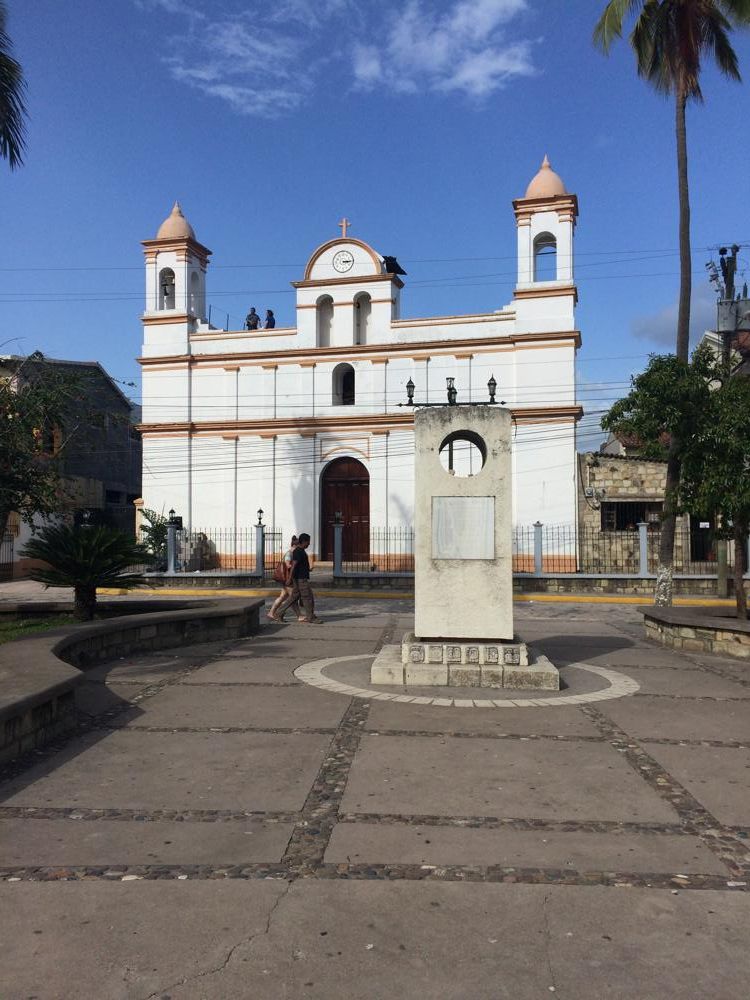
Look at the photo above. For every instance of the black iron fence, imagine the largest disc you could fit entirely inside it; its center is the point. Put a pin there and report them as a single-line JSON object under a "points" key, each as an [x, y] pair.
{"points": [[6, 557], [365, 549], [542, 549], [221, 550]]}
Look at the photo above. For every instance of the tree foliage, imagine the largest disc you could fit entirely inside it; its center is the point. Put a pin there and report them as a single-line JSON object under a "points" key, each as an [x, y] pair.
{"points": [[33, 402], [154, 534], [707, 413], [670, 38], [86, 558]]}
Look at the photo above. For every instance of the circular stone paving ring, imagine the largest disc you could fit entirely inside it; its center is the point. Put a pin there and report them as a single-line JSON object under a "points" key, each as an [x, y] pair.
{"points": [[618, 686]]}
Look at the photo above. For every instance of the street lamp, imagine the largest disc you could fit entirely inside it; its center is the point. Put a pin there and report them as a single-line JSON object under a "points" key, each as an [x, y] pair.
{"points": [[492, 387], [452, 391], [410, 392], [260, 515]]}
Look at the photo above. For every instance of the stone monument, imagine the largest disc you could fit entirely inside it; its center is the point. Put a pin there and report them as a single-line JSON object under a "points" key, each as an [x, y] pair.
{"points": [[463, 560]]}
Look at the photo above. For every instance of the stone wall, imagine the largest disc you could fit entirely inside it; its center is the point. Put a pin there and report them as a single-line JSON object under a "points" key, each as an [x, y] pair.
{"points": [[613, 479], [688, 629], [38, 676]]}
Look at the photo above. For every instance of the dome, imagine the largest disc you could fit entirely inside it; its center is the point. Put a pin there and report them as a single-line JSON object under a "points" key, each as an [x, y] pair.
{"points": [[546, 184], [175, 226]]}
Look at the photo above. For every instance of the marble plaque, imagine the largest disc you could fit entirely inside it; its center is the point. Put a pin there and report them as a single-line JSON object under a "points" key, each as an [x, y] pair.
{"points": [[463, 527]]}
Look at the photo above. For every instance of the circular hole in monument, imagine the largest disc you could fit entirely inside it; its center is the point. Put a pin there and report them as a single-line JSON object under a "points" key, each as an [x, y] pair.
{"points": [[463, 453]]}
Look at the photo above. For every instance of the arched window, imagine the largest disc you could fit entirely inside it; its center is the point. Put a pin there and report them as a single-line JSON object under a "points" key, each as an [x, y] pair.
{"points": [[343, 385], [545, 257], [166, 288], [324, 318], [195, 305], [362, 311]]}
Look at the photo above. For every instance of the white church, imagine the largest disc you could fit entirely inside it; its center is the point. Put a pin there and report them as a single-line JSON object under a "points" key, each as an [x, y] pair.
{"points": [[309, 422]]}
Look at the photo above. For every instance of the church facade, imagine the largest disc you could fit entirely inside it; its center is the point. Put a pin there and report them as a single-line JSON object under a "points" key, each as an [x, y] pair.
{"points": [[309, 422]]}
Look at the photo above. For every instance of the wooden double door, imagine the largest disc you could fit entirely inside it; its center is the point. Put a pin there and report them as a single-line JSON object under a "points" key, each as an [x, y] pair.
{"points": [[345, 489]]}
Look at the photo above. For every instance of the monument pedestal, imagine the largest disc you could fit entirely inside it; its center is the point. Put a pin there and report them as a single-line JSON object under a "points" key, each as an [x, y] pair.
{"points": [[463, 561], [421, 663]]}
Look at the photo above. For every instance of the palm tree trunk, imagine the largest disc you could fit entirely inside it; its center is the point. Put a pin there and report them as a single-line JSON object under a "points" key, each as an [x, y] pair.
{"points": [[740, 543], [686, 263], [84, 602], [665, 570]]}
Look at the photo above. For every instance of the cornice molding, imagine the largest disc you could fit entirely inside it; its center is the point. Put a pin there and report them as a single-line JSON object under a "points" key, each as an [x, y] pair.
{"points": [[364, 422], [366, 351]]}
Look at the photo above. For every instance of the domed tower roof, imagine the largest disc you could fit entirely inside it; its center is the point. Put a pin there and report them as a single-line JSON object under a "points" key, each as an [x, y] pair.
{"points": [[546, 184], [175, 226]]}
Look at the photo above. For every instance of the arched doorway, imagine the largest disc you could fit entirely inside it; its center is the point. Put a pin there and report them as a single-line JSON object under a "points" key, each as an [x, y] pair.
{"points": [[345, 489]]}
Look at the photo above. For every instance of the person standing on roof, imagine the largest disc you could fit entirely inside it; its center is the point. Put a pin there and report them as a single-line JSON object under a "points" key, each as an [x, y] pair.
{"points": [[252, 320]]}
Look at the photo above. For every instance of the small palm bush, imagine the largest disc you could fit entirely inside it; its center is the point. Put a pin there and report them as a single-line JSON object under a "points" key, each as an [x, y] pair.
{"points": [[85, 558]]}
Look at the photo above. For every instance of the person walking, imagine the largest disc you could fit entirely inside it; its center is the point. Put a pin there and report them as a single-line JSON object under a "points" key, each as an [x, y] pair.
{"points": [[301, 589], [286, 587]]}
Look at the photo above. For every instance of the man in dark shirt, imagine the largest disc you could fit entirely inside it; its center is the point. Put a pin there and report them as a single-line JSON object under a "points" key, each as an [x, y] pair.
{"points": [[270, 319], [301, 589], [252, 320]]}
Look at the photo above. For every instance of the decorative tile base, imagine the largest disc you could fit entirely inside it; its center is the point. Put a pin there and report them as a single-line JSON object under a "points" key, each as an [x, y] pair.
{"points": [[477, 654], [465, 664]]}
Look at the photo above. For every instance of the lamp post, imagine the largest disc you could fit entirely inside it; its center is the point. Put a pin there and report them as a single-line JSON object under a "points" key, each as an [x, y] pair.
{"points": [[452, 393], [174, 524]]}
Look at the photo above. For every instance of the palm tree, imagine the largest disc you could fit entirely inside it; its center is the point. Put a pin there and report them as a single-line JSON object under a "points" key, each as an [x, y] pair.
{"points": [[670, 39], [86, 558], [12, 107]]}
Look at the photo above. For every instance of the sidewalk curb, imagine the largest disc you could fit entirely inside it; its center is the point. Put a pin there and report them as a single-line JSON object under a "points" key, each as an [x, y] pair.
{"points": [[708, 602]]}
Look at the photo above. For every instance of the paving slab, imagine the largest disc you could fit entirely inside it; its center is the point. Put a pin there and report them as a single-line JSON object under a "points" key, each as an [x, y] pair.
{"points": [[268, 707], [718, 777], [505, 778], [94, 699], [684, 682], [314, 649], [376, 843], [330, 630], [519, 721], [603, 654], [124, 941], [683, 719], [66, 842], [248, 670], [141, 770], [739, 671], [149, 668], [365, 940]]}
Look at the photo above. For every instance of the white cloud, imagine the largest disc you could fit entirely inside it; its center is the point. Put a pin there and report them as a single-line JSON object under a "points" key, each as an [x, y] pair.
{"points": [[266, 59], [660, 327], [463, 49]]}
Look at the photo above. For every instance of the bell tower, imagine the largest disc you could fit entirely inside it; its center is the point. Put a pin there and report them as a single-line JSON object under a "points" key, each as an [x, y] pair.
{"points": [[175, 285], [545, 294]]}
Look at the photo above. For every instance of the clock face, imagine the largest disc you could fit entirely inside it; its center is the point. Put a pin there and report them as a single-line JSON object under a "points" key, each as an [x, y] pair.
{"points": [[343, 260]]}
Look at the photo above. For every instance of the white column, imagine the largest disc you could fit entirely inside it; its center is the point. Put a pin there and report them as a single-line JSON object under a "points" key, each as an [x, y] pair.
{"points": [[525, 273], [565, 251]]}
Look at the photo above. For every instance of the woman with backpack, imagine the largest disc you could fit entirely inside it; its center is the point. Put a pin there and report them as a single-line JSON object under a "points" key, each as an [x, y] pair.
{"points": [[283, 575]]}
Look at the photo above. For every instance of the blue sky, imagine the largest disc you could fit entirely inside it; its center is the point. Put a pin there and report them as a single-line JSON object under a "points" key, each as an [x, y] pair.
{"points": [[419, 121]]}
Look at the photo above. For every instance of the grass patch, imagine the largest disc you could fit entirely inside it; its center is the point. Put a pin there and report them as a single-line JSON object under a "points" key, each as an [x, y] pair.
{"points": [[19, 628]]}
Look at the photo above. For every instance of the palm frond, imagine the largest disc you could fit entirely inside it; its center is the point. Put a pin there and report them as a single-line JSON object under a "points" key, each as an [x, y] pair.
{"points": [[610, 24], [715, 31], [89, 556], [12, 105]]}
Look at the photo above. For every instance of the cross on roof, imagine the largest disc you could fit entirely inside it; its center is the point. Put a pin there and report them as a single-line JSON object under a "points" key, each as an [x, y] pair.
{"points": [[344, 225]]}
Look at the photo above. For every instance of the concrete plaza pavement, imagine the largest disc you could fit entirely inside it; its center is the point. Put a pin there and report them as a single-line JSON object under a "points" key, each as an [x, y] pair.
{"points": [[218, 829]]}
